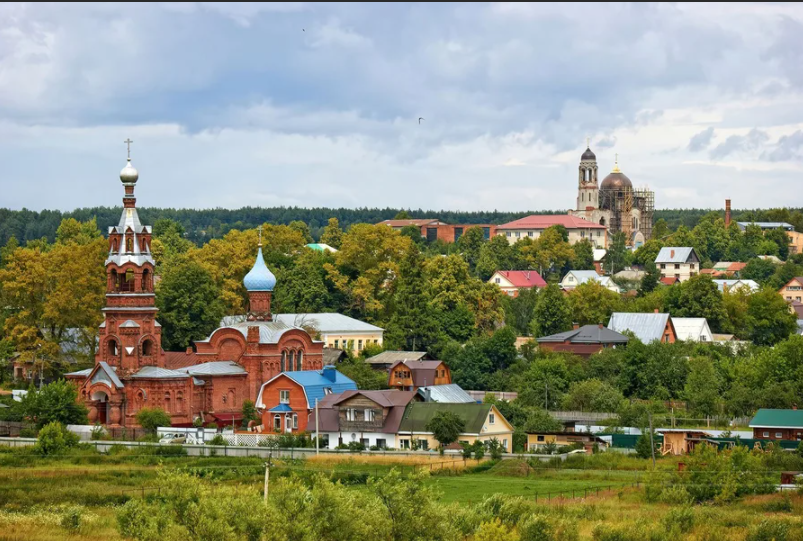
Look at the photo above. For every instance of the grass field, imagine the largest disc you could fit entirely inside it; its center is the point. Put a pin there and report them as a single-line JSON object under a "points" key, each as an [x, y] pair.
{"points": [[37, 494]]}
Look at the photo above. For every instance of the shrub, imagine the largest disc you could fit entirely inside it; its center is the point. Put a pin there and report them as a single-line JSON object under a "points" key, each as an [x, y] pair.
{"points": [[535, 528], [782, 505], [643, 447], [28, 432], [479, 450], [356, 446], [71, 519], [771, 530], [97, 433], [218, 440], [495, 531], [152, 418], [467, 450], [681, 518], [54, 438], [675, 495], [495, 449]]}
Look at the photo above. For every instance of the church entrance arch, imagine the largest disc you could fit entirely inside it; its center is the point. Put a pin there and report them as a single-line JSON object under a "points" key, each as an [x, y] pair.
{"points": [[101, 400]]}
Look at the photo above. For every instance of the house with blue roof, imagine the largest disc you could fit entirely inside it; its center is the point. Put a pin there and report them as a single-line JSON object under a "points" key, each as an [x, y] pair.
{"points": [[287, 400]]}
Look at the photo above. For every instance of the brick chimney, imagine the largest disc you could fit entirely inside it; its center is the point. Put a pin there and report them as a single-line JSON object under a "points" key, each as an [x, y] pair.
{"points": [[575, 326], [671, 253], [601, 326], [656, 311], [727, 212]]}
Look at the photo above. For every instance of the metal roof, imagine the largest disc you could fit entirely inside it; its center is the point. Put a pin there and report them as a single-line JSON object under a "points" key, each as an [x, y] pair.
{"points": [[418, 414], [102, 366], [767, 225], [129, 324], [393, 357], [281, 408], [154, 372], [327, 322], [583, 276], [690, 328], [316, 383], [214, 368], [451, 393], [587, 334], [542, 221], [80, 373], [647, 327], [772, 418], [321, 247], [751, 285], [675, 254], [269, 331]]}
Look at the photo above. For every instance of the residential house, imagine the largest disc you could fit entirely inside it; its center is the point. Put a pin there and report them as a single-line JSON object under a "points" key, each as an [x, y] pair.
{"points": [[369, 417], [765, 226], [536, 441], [575, 278], [286, 400], [750, 286], [386, 359], [725, 269], [795, 242], [336, 330], [680, 262], [451, 393], [483, 422], [510, 282], [599, 259], [776, 424], [669, 280], [647, 327], [433, 229], [333, 356], [692, 329], [410, 375], [532, 226], [793, 290], [583, 341]]}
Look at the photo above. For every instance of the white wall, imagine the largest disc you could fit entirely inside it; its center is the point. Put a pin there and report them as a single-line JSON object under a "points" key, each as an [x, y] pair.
{"points": [[390, 439]]}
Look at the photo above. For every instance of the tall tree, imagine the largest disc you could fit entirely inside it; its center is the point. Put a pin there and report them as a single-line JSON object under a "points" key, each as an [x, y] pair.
{"points": [[446, 427], [650, 279], [702, 389], [549, 254], [616, 257], [469, 245], [698, 297], [412, 326], [189, 304], [519, 310], [647, 252], [592, 303], [301, 227], [768, 318], [583, 255], [302, 289], [781, 239], [332, 234], [760, 270], [496, 254], [660, 229], [552, 313]]}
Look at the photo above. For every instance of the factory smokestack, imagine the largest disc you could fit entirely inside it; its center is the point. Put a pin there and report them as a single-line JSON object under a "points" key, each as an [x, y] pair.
{"points": [[727, 213]]}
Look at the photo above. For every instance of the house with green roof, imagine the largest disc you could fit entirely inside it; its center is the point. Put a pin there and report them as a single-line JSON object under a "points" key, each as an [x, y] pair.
{"points": [[483, 422], [771, 424]]}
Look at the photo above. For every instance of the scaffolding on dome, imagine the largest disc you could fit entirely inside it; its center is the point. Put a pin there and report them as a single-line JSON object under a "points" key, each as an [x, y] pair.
{"points": [[621, 203]]}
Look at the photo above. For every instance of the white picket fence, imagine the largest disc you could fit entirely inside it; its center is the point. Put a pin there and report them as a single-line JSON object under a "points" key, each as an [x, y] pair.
{"points": [[246, 440]]}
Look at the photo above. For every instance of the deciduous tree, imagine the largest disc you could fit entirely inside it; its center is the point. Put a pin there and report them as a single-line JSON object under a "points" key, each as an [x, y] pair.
{"points": [[446, 427], [332, 234], [552, 312]]}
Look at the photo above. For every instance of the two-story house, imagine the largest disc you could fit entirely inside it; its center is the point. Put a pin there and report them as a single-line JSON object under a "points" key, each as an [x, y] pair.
{"points": [[369, 417], [286, 400], [512, 281], [679, 262], [575, 278], [410, 375], [793, 290], [482, 422]]}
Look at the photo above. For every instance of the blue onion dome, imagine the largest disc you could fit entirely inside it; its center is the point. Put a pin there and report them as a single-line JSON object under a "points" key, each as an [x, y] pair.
{"points": [[259, 278]]}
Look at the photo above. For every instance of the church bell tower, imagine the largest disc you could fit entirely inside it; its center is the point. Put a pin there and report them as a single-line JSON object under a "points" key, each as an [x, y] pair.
{"points": [[588, 189], [130, 336]]}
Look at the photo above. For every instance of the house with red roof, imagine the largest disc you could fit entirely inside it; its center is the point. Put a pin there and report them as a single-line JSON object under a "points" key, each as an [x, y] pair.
{"points": [[514, 280], [532, 226]]}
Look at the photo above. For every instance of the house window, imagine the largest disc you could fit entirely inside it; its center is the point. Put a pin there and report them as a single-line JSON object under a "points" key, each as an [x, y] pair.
{"points": [[582, 234], [359, 345], [405, 444], [365, 442], [691, 266], [677, 266], [295, 422], [508, 234], [376, 341], [530, 233], [288, 423], [518, 234], [351, 414], [766, 434], [337, 342], [666, 338], [779, 435], [284, 397], [498, 280], [277, 423], [369, 415], [381, 443], [491, 419], [458, 232], [539, 438], [504, 444], [283, 362], [423, 445], [663, 265]]}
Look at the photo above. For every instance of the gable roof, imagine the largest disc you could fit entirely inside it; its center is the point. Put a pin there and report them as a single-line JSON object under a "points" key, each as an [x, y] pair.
{"points": [[155, 372], [675, 254], [798, 279], [393, 357], [415, 221], [668, 280], [326, 322], [214, 368], [387, 398], [646, 326], [418, 414], [422, 372], [542, 221], [394, 401], [772, 418], [103, 373], [751, 285], [690, 328], [587, 334], [583, 276], [332, 356], [522, 278], [179, 359], [450, 393], [314, 384]]}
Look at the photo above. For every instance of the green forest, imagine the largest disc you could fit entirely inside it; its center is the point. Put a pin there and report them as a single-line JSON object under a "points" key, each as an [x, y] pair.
{"points": [[201, 226]]}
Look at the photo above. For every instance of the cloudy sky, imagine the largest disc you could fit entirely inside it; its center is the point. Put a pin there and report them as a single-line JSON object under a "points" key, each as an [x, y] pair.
{"points": [[234, 104]]}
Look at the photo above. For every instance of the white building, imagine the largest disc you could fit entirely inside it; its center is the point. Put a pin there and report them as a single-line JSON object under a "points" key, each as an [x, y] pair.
{"points": [[575, 278], [678, 262], [692, 329], [750, 286]]}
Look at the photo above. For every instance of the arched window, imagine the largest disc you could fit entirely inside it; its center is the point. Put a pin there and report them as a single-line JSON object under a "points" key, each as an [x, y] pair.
{"points": [[143, 245], [602, 221], [167, 402], [114, 245], [282, 366], [291, 359], [147, 348], [115, 281], [129, 244], [299, 360], [141, 398], [146, 280], [128, 281], [179, 402], [112, 348]]}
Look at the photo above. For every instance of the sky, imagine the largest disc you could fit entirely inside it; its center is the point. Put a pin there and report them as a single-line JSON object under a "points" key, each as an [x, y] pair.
{"points": [[249, 104]]}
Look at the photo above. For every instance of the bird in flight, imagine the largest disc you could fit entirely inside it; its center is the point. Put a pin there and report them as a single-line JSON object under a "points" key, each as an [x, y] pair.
{"points": [[420, 119]]}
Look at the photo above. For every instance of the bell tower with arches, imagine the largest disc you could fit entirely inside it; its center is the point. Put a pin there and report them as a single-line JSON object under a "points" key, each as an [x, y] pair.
{"points": [[587, 186], [130, 336]]}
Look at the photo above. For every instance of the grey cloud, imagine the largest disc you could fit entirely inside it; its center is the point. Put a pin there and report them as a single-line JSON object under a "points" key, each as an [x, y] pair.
{"points": [[740, 143], [606, 142], [701, 140], [788, 148]]}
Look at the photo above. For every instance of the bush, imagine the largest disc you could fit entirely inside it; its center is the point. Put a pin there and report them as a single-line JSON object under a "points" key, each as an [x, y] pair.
{"points": [[535, 528], [782, 505], [54, 438], [71, 519], [356, 446], [675, 495], [771, 530], [218, 440], [152, 418], [495, 449], [495, 531], [681, 518], [643, 446], [28, 432], [98, 432]]}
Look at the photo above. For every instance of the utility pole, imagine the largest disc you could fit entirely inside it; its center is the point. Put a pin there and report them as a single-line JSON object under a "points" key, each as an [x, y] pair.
{"points": [[652, 444], [317, 434], [546, 395], [267, 479]]}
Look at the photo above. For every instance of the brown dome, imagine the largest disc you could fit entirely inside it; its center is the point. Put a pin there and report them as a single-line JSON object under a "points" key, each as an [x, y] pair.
{"points": [[616, 181], [588, 156]]}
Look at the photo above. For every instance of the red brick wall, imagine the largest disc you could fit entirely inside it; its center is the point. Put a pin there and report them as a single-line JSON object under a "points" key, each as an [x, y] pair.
{"points": [[298, 403], [446, 231]]}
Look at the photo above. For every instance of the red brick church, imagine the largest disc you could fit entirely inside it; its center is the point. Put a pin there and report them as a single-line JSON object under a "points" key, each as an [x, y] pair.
{"points": [[211, 382]]}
